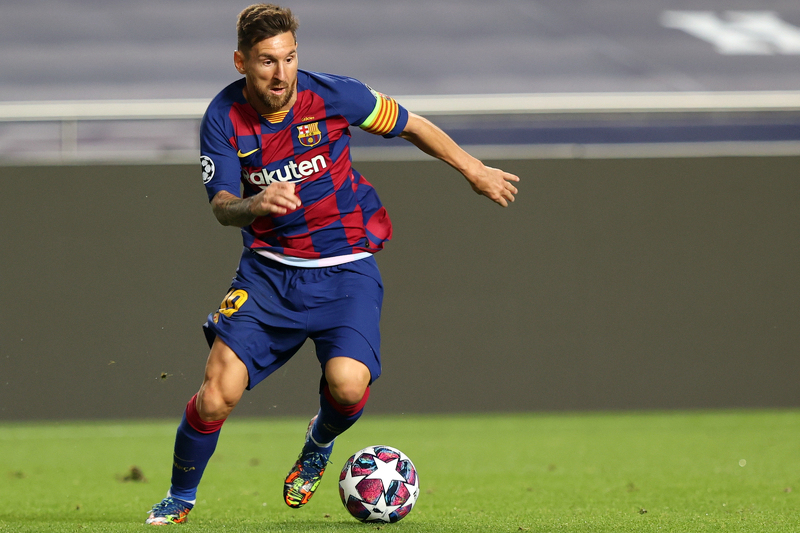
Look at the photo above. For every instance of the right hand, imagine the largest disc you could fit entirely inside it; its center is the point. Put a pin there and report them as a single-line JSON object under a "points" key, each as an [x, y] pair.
{"points": [[277, 199]]}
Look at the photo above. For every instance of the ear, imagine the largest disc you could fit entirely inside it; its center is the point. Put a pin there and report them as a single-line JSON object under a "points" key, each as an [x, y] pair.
{"points": [[239, 61]]}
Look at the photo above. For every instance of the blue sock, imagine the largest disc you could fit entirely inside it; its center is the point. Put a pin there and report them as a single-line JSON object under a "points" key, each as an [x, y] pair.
{"points": [[193, 449], [332, 420]]}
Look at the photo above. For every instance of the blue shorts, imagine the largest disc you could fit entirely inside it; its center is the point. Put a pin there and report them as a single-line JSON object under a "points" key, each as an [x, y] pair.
{"points": [[272, 308]]}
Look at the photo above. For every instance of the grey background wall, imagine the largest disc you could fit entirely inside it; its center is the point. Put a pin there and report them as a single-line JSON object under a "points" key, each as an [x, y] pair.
{"points": [[609, 284]]}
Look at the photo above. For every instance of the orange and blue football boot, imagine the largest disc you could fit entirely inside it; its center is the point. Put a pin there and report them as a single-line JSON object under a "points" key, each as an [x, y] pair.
{"points": [[306, 474], [169, 511]]}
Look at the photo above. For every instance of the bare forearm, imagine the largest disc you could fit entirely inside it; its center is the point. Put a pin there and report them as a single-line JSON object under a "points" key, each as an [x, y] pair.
{"points": [[277, 199], [233, 211], [493, 183], [429, 138]]}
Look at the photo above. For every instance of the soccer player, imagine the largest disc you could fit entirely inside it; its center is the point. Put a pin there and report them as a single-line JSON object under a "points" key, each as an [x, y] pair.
{"points": [[276, 163]]}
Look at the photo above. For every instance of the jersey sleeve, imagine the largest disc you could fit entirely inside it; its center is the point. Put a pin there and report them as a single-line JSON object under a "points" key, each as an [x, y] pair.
{"points": [[221, 167], [363, 106]]}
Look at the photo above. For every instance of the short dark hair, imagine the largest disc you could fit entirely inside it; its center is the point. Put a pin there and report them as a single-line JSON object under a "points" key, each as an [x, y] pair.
{"points": [[263, 21]]}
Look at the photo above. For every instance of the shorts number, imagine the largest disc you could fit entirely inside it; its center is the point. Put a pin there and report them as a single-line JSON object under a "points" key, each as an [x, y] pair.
{"points": [[233, 302]]}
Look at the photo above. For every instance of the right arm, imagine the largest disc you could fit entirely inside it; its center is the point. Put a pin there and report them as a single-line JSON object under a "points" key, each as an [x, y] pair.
{"points": [[222, 172], [277, 199]]}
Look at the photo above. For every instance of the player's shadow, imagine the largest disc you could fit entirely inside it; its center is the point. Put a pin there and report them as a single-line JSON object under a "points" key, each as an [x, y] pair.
{"points": [[327, 524]]}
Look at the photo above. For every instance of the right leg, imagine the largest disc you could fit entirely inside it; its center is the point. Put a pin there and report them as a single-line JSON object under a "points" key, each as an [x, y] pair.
{"points": [[224, 383]]}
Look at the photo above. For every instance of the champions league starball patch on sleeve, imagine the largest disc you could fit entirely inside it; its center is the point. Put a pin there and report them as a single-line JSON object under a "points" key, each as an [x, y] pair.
{"points": [[208, 168]]}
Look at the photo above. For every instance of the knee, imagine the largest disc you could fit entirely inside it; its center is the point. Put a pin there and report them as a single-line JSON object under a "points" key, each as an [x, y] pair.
{"points": [[213, 404], [348, 393], [347, 380]]}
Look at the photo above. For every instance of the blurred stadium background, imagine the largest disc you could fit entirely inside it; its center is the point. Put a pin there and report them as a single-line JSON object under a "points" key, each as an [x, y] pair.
{"points": [[650, 262]]}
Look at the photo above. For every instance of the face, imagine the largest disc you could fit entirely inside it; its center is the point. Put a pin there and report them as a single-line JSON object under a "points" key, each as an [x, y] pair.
{"points": [[270, 68]]}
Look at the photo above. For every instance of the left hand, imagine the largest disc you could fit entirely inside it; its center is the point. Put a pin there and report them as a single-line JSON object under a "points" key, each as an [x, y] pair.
{"points": [[494, 183]]}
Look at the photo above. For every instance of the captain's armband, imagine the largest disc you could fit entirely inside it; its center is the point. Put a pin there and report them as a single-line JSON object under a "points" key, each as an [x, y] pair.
{"points": [[384, 116]]}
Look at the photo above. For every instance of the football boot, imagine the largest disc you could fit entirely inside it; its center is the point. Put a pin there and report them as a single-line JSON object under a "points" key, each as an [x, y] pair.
{"points": [[169, 511], [306, 474]]}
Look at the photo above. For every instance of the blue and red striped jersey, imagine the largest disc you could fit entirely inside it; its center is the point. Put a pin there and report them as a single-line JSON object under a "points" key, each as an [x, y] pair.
{"points": [[242, 153]]}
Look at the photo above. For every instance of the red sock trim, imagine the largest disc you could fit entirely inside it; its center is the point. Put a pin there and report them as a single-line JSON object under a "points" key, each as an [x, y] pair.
{"points": [[346, 410], [200, 425]]}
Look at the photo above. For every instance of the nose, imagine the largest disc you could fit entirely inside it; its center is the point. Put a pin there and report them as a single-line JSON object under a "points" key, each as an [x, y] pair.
{"points": [[280, 71]]}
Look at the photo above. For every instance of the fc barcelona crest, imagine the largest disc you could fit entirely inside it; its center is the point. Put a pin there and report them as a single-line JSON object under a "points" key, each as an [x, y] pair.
{"points": [[309, 134]]}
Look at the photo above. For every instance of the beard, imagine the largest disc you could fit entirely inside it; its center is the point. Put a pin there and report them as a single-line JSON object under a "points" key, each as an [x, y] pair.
{"points": [[274, 102]]}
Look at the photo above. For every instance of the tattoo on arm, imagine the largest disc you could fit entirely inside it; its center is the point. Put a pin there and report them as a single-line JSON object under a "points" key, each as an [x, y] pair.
{"points": [[232, 211]]}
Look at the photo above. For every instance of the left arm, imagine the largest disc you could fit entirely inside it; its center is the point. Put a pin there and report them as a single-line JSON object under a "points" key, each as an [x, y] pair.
{"points": [[490, 182]]}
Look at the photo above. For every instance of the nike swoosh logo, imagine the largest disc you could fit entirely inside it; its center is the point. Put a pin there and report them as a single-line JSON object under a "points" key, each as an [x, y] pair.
{"points": [[240, 154]]}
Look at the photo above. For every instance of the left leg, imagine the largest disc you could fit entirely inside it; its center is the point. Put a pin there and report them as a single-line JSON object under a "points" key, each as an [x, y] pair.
{"points": [[347, 380], [345, 330], [345, 391], [344, 394]]}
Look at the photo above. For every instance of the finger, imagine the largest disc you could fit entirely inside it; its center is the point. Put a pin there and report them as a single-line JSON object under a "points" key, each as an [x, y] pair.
{"points": [[505, 175], [290, 196], [509, 193], [281, 204], [498, 198], [282, 189], [293, 195], [289, 201]]}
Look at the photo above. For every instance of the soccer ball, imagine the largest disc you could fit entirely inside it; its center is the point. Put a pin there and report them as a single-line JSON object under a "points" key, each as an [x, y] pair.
{"points": [[379, 484]]}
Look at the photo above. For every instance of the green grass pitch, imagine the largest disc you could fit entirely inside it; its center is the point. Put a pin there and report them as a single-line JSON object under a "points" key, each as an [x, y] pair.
{"points": [[598, 472]]}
